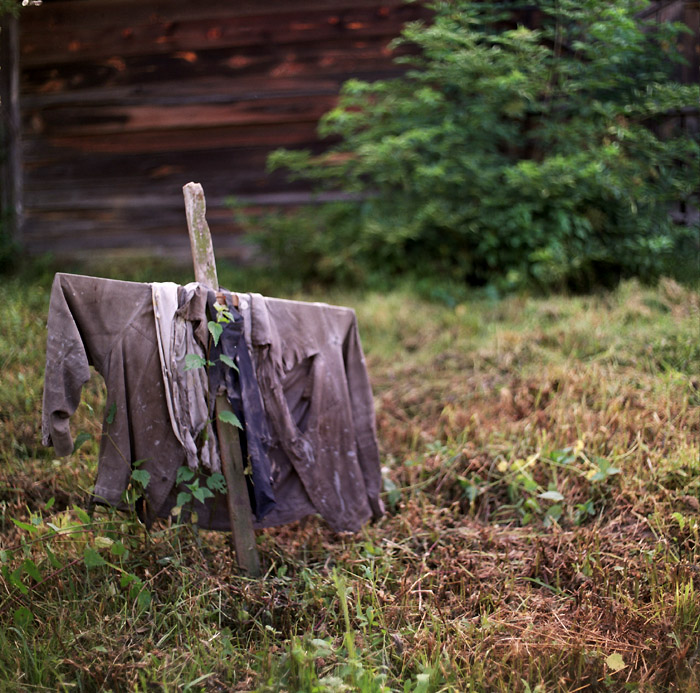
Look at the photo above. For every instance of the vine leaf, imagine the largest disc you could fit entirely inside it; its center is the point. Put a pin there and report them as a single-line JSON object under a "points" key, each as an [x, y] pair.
{"points": [[217, 482], [229, 362], [215, 329], [92, 559], [141, 476], [184, 474], [194, 361], [111, 413], [183, 498], [22, 617], [202, 493], [82, 438], [230, 418]]}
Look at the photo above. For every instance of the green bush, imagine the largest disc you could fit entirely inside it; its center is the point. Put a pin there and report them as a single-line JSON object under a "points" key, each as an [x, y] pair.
{"points": [[505, 156]]}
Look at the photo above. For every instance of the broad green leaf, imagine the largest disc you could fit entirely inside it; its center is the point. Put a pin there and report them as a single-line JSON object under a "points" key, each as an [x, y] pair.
{"points": [[82, 515], [217, 482], [194, 361], [216, 330], [227, 360], [144, 599], [117, 549], [111, 413], [15, 579], [22, 617], [49, 503], [184, 474], [230, 418], [223, 315], [141, 476], [615, 662], [183, 498], [80, 439], [553, 514], [31, 569], [92, 559], [126, 579], [202, 493]]}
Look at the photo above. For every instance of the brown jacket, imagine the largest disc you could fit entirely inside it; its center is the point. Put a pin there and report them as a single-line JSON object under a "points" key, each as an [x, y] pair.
{"points": [[110, 325], [313, 379]]}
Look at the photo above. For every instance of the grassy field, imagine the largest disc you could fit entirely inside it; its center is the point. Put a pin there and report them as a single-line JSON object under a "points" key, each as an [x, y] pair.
{"points": [[542, 476]]}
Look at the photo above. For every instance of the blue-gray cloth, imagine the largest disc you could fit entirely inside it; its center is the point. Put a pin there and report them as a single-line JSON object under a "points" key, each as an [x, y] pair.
{"points": [[244, 397]]}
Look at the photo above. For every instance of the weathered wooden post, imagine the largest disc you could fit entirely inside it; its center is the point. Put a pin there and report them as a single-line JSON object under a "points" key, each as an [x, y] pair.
{"points": [[242, 533]]}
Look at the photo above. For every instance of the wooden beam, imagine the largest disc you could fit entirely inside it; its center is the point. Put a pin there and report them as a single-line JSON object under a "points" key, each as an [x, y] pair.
{"points": [[10, 128], [200, 236], [240, 517]]}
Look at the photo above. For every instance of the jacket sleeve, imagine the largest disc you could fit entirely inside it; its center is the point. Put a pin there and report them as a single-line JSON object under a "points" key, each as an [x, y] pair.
{"points": [[362, 405], [67, 370]]}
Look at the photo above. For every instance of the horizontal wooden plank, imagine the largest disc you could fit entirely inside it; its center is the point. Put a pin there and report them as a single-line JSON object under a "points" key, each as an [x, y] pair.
{"points": [[292, 134], [166, 241], [212, 90], [72, 41], [179, 75], [95, 14], [111, 119], [117, 221], [55, 164], [114, 192], [89, 205]]}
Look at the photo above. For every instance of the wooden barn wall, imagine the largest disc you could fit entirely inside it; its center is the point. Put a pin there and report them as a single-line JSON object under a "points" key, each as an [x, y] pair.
{"points": [[125, 101]]}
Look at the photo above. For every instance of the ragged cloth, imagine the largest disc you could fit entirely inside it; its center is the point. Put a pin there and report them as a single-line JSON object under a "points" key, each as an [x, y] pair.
{"points": [[307, 360]]}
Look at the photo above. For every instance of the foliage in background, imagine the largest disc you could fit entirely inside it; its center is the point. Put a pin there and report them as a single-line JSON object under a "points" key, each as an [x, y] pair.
{"points": [[508, 156], [10, 7]]}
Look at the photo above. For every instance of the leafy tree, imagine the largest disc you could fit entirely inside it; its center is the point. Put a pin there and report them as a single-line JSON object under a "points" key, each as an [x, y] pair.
{"points": [[506, 155]]}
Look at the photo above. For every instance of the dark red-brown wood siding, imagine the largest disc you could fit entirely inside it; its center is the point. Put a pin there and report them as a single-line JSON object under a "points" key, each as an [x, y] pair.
{"points": [[124, 101]]}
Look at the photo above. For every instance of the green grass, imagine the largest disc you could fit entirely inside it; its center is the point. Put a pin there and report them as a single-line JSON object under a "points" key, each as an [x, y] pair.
{"points": [[542, 470]]}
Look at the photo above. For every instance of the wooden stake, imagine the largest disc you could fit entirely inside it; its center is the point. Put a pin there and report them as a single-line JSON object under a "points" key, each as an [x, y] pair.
{"points": [[242, 533]]}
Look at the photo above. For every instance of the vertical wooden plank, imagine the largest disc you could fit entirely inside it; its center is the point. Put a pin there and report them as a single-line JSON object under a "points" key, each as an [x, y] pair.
{"points": [[200, 236], [240, 517], [10, 129]]}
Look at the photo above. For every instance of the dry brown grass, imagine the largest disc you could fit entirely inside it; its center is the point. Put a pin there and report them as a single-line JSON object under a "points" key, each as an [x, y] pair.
{"points": [[473, 580]]}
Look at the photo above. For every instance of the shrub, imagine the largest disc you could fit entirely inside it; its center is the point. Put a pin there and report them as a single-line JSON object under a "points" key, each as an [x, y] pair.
{"points": [[506, 155]]}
